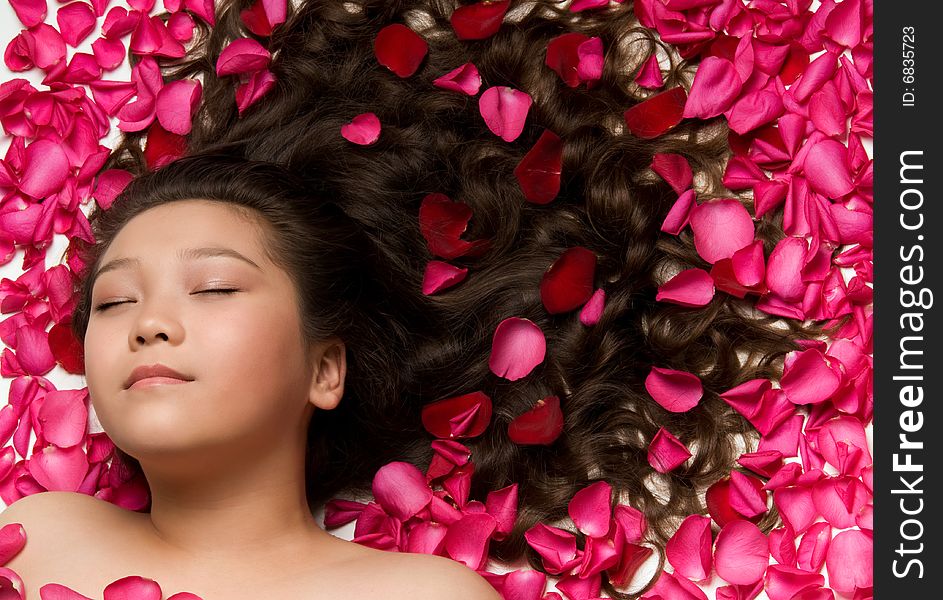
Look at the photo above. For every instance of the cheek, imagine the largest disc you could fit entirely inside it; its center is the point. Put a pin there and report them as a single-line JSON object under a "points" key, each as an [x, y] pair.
{"points": [[254, 351]]}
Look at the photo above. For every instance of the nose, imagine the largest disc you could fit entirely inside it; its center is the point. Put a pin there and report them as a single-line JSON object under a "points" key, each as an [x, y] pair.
{"points": [[155, 323]]}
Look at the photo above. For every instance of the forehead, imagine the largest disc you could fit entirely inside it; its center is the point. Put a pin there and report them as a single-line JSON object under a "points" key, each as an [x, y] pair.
{"points": [[188, 223]]}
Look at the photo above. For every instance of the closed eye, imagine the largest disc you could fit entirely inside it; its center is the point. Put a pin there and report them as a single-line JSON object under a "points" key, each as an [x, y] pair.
{"points": [[106, 305]]}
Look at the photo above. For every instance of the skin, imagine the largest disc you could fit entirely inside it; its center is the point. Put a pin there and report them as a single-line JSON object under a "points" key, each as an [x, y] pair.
{"points": [[223, 454]]}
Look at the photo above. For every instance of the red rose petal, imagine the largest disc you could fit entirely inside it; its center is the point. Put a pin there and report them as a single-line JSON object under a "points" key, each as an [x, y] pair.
{"points": [[400, 49], [440, 417], [568, 283], [541, 425], [538, 173], [478, 21], [656, 115], [674, 169]]}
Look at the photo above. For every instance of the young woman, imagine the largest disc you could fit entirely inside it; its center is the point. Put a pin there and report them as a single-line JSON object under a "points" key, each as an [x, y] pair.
{"points": [[398, 246]]}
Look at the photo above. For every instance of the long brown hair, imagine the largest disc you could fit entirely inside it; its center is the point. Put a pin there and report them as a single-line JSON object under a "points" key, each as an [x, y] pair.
{"points": [[408, 349]]}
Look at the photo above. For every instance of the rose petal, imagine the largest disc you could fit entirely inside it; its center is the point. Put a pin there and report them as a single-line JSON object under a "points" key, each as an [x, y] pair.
{"points": [[364, 129], [504, 110], [400, 49], [478, 21], [464, 79], [133, 587], [716, 85], [689, 549], [541, 425], [691, 287], [721, 227], [401, 489], [440, 418], [568, 282], [809, 379], [675, 391], [440, 276], [850, 561], [177, 102], [589, 509], [666, 452], [813, 546], [518, 346], [657, 114], [742, 553], [242, 55], [46, 168], [76, 21], [538, 173], [674, 169]]}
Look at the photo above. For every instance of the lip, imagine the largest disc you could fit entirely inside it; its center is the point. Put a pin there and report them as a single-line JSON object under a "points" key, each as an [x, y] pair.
{"points": [[154, 374]]}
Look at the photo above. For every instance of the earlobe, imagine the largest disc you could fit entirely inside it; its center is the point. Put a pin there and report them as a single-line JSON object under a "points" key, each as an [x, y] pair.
{"points": [[330, 370]]}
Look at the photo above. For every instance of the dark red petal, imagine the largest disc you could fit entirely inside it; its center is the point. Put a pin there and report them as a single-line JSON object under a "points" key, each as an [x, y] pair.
{"points": [[656, 115], [568, 283], [436, 416], [66, 348], [540, 425], [538, 173], [478, 21], [718, 501], [400, 49], [442, 222], [162, 146], [563, 58]]}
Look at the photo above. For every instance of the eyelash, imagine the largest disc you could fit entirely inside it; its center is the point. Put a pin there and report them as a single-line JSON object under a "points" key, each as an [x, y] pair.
{"points": [[106, 305]]}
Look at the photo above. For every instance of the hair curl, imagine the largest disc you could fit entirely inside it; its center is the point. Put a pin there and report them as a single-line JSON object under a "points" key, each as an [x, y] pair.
{"points": [[407, 349]]}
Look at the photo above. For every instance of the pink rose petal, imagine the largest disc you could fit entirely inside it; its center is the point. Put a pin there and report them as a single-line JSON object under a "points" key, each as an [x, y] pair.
{"points": [[689, 549], [813, 546], [441, 275], [504, 110], [177, 102], [401, 489], [518, 346], [674, 169], [666, 452], [464, 79], [76, 21], [364, 129], [589, 509], [716, 85], [691, 287], [742, 553], [46, 169], [850, 561], [243, 55], [721, 227], [675, 391]]}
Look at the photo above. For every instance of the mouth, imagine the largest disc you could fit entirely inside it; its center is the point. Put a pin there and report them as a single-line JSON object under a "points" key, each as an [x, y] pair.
{"points": [[149, 382]]}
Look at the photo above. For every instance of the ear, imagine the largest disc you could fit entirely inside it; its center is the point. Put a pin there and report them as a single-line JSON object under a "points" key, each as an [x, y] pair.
{"points": [[329, 368]]}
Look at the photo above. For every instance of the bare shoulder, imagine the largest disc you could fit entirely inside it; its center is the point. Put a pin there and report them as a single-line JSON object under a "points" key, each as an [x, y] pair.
{"points": [[422, 576], [49, 521]]}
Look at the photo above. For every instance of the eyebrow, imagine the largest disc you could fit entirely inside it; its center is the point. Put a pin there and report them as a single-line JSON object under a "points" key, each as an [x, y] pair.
{"points": [[184, 254]]}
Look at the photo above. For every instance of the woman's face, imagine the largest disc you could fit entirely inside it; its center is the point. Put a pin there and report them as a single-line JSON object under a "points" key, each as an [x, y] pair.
{"points": [[251, 383]]}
